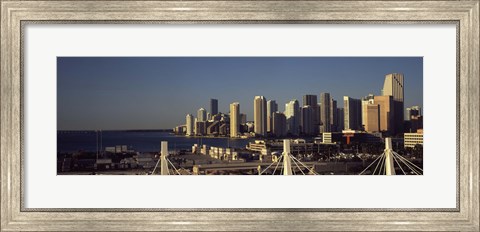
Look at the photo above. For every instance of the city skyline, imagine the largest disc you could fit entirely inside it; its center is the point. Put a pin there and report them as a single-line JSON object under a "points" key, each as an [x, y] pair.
{"points": [[120, 93]]}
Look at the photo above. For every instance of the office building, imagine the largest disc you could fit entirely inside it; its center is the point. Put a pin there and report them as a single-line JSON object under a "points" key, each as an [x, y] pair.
{"points": [[311, 100], [292, 113], [352, 113], [279, 124], [371, 118], [201, 115], [386, 114], [260, 115], [365, 102], [393, 86], [234, 119], [325, 112], [307, 120], [272, 107], [189, 125], [412, 139], [213, 106]]}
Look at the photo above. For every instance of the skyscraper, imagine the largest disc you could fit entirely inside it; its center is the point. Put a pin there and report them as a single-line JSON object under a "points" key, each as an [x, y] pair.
{"points": [[279, 124], [213, 106], [386, 113], [311, 100], [292, 113], [260, 115], [333, 116], [201, 115], [393, 86], [234, 119], [352, 113], [189, 124], [307, 120], [271, 108], [325, 112]]}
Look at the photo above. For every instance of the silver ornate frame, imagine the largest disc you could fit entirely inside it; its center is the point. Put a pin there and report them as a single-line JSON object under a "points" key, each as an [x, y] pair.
{"points": [[16, 14]]}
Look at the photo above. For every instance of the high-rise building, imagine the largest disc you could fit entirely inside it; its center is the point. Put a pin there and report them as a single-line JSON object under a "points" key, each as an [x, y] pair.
{"points": [[333, 116], [279, 124], [189, 125], [234, 119], [367, 100], [307, 120], [201, 115], [272, 107], [371, 117], [260, 115], [352, 113], [386, 113], [243, 119], [340, 119], [292, 113], [213, 106], [311, 100], [393, 86], [325, 112]]}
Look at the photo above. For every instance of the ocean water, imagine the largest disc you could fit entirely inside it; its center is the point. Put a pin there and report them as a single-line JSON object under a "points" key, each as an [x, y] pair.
{"points": [[143, 141]]}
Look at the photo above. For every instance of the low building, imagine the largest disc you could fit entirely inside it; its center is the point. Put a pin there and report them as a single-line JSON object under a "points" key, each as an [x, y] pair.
{"points": [[412, 139]]}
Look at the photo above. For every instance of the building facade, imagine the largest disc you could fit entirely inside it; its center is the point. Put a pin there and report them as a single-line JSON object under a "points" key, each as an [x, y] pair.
{"points": [[201, 115], [352, 113], [189, 125], [272, 107], [325, 107], [279, 124], [260, 115], [292, 113], [213, 106], [393, 86], [234, 119]]}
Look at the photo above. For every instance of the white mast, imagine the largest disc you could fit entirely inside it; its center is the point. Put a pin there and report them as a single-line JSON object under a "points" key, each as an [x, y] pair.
{"points": [[287, 162], [389, 168], [163, 159]]}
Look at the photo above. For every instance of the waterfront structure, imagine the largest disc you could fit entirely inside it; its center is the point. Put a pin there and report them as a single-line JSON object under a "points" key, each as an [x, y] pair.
{"points": [[371, 118], [213, 106], [393, 86], [260, 115], [306, 121], [325, 108], [352, 113], [386, 113], [292, 113], [333, 115], [279, 124], [234, 119], [412, 139], [189, 125], [201, 115], [272, 107], [311, 100]]}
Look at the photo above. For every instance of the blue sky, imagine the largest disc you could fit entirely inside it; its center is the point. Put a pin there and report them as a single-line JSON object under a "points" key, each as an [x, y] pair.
{"points": [[157, 92]]}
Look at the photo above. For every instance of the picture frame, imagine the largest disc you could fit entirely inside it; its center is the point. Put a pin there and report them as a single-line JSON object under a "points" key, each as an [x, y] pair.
{"points": [[14, 14]]}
